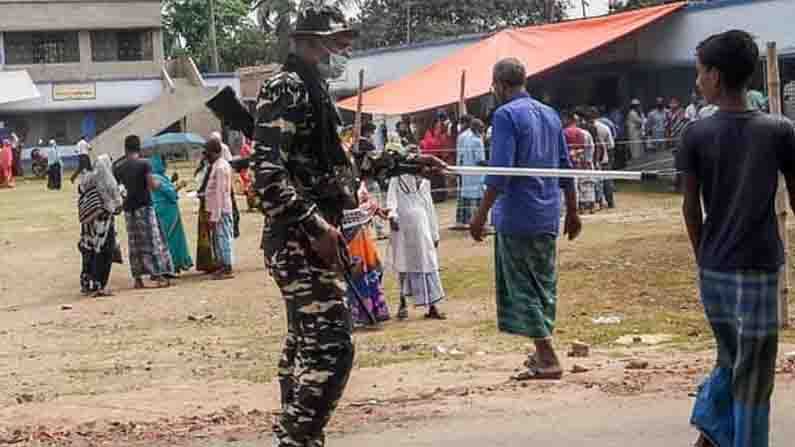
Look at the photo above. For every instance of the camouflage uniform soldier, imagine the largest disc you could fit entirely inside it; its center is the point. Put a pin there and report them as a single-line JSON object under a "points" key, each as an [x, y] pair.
{"points": [[305, 181]]}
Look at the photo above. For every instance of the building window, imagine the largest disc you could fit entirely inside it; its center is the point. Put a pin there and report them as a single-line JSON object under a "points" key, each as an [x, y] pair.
{"points": [[112, 46], [42, 48]]}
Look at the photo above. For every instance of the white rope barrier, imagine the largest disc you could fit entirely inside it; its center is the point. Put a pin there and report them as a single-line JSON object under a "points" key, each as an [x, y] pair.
{"points": [[564, 173]]}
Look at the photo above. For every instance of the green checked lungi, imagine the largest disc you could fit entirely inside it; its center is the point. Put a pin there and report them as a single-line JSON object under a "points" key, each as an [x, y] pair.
{"points": [[526, 279]]}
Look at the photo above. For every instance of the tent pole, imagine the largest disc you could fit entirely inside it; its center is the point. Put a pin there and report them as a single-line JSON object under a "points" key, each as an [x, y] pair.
{"points": [[357, 122], [462, 101], [774, 93]]}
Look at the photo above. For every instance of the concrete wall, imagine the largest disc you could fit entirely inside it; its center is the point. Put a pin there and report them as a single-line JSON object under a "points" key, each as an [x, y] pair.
{"points": [[87, 70], [29, 15], [202, 122], [39, 125], [109, 95]]}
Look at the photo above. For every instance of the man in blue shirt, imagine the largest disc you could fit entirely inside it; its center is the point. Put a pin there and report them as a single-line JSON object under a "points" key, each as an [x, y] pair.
{"points": [[527, 134], [471, 152]]}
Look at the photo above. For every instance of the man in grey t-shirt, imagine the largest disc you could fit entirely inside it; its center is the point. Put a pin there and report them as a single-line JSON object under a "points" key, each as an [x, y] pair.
{"points": [[732, 160]]}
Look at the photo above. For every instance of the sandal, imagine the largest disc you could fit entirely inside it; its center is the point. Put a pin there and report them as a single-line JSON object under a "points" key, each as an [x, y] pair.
{"points": [[103, 293], [531, 362], [537, 374]]}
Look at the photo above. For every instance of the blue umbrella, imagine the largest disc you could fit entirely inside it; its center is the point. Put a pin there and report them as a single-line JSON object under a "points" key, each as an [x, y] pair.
{"points": [[175, 139]]}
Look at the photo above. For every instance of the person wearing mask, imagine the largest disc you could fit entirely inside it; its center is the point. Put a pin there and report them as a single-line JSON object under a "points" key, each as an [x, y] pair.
{"points": [[306, 182]]}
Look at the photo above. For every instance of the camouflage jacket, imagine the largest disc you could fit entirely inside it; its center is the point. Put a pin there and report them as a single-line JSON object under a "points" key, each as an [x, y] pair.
{"points": [[298, 184]]}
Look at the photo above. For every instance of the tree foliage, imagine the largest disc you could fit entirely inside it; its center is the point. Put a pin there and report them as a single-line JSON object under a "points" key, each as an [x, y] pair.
{"points": [[278, 17], [240, 42], [389, 22], [617, 6]]}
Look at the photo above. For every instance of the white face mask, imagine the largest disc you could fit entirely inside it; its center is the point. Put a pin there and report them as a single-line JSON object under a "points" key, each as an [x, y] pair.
{"points": [[336, 66]]}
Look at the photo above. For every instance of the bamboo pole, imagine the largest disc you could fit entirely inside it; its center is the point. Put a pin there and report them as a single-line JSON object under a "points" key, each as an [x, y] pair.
{"points": [[357, 122], [774, 95], [462, 101]]}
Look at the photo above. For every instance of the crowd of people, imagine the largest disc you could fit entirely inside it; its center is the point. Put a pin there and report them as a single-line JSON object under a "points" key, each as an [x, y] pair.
{"points": [[321, 197], [140, 188]]}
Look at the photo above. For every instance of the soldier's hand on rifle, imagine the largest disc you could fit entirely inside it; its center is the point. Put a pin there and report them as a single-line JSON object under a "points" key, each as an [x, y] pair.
{"points": [[431, 165], [327, 247]]}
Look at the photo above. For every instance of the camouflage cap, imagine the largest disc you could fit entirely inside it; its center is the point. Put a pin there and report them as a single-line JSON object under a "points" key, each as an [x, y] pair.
{"points": [[323, 21]]}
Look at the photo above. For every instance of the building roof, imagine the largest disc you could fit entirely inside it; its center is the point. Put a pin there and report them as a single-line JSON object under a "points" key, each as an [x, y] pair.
{"points": [[540, 48], [16, 86]]}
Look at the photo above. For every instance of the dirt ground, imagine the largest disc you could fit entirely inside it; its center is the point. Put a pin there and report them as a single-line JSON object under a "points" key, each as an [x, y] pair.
{"points": [[134, 368]]}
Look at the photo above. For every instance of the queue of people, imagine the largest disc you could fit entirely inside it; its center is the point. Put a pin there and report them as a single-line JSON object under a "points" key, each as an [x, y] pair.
{"points": [[139, 187]]}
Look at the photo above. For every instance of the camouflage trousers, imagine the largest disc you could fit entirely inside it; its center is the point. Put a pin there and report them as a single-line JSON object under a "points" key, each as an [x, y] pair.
{"points": [[318, 351]]}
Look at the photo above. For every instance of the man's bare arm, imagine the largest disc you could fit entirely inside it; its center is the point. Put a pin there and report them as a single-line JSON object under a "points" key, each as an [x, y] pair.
{"points": [[692, 211]]}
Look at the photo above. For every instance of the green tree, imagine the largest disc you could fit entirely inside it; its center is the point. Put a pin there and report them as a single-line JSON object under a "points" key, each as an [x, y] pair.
{"points": [[240, 42], [278, 17], [389, 22]]}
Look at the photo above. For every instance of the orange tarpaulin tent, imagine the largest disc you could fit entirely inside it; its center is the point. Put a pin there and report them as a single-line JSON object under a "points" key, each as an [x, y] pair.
{"points": [[538, 47]]}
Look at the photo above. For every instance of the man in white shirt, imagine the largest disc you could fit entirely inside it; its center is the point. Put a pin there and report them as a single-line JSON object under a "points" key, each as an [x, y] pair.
{"points": [[83, 148], [605, 144], [691, 112]]}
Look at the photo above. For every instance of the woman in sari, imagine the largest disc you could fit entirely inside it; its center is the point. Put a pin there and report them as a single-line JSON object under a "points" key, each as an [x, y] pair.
{"points": [[367, 270], [99, 200], [205, 254], [6, 165], [166, 202]]}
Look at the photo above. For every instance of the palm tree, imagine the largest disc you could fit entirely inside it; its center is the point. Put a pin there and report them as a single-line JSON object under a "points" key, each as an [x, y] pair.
{"points": [[279, 16]]}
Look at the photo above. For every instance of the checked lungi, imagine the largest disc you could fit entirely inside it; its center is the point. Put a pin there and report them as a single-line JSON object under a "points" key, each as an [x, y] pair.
{"points": [[149, 253], [733, 404]]}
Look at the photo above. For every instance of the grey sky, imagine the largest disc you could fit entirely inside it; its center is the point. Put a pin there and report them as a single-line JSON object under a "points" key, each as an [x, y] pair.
{"points": [[594, 8]]}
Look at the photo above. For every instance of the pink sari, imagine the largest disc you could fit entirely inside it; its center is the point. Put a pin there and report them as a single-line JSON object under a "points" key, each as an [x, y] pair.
{"points": [[6, 167]]}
